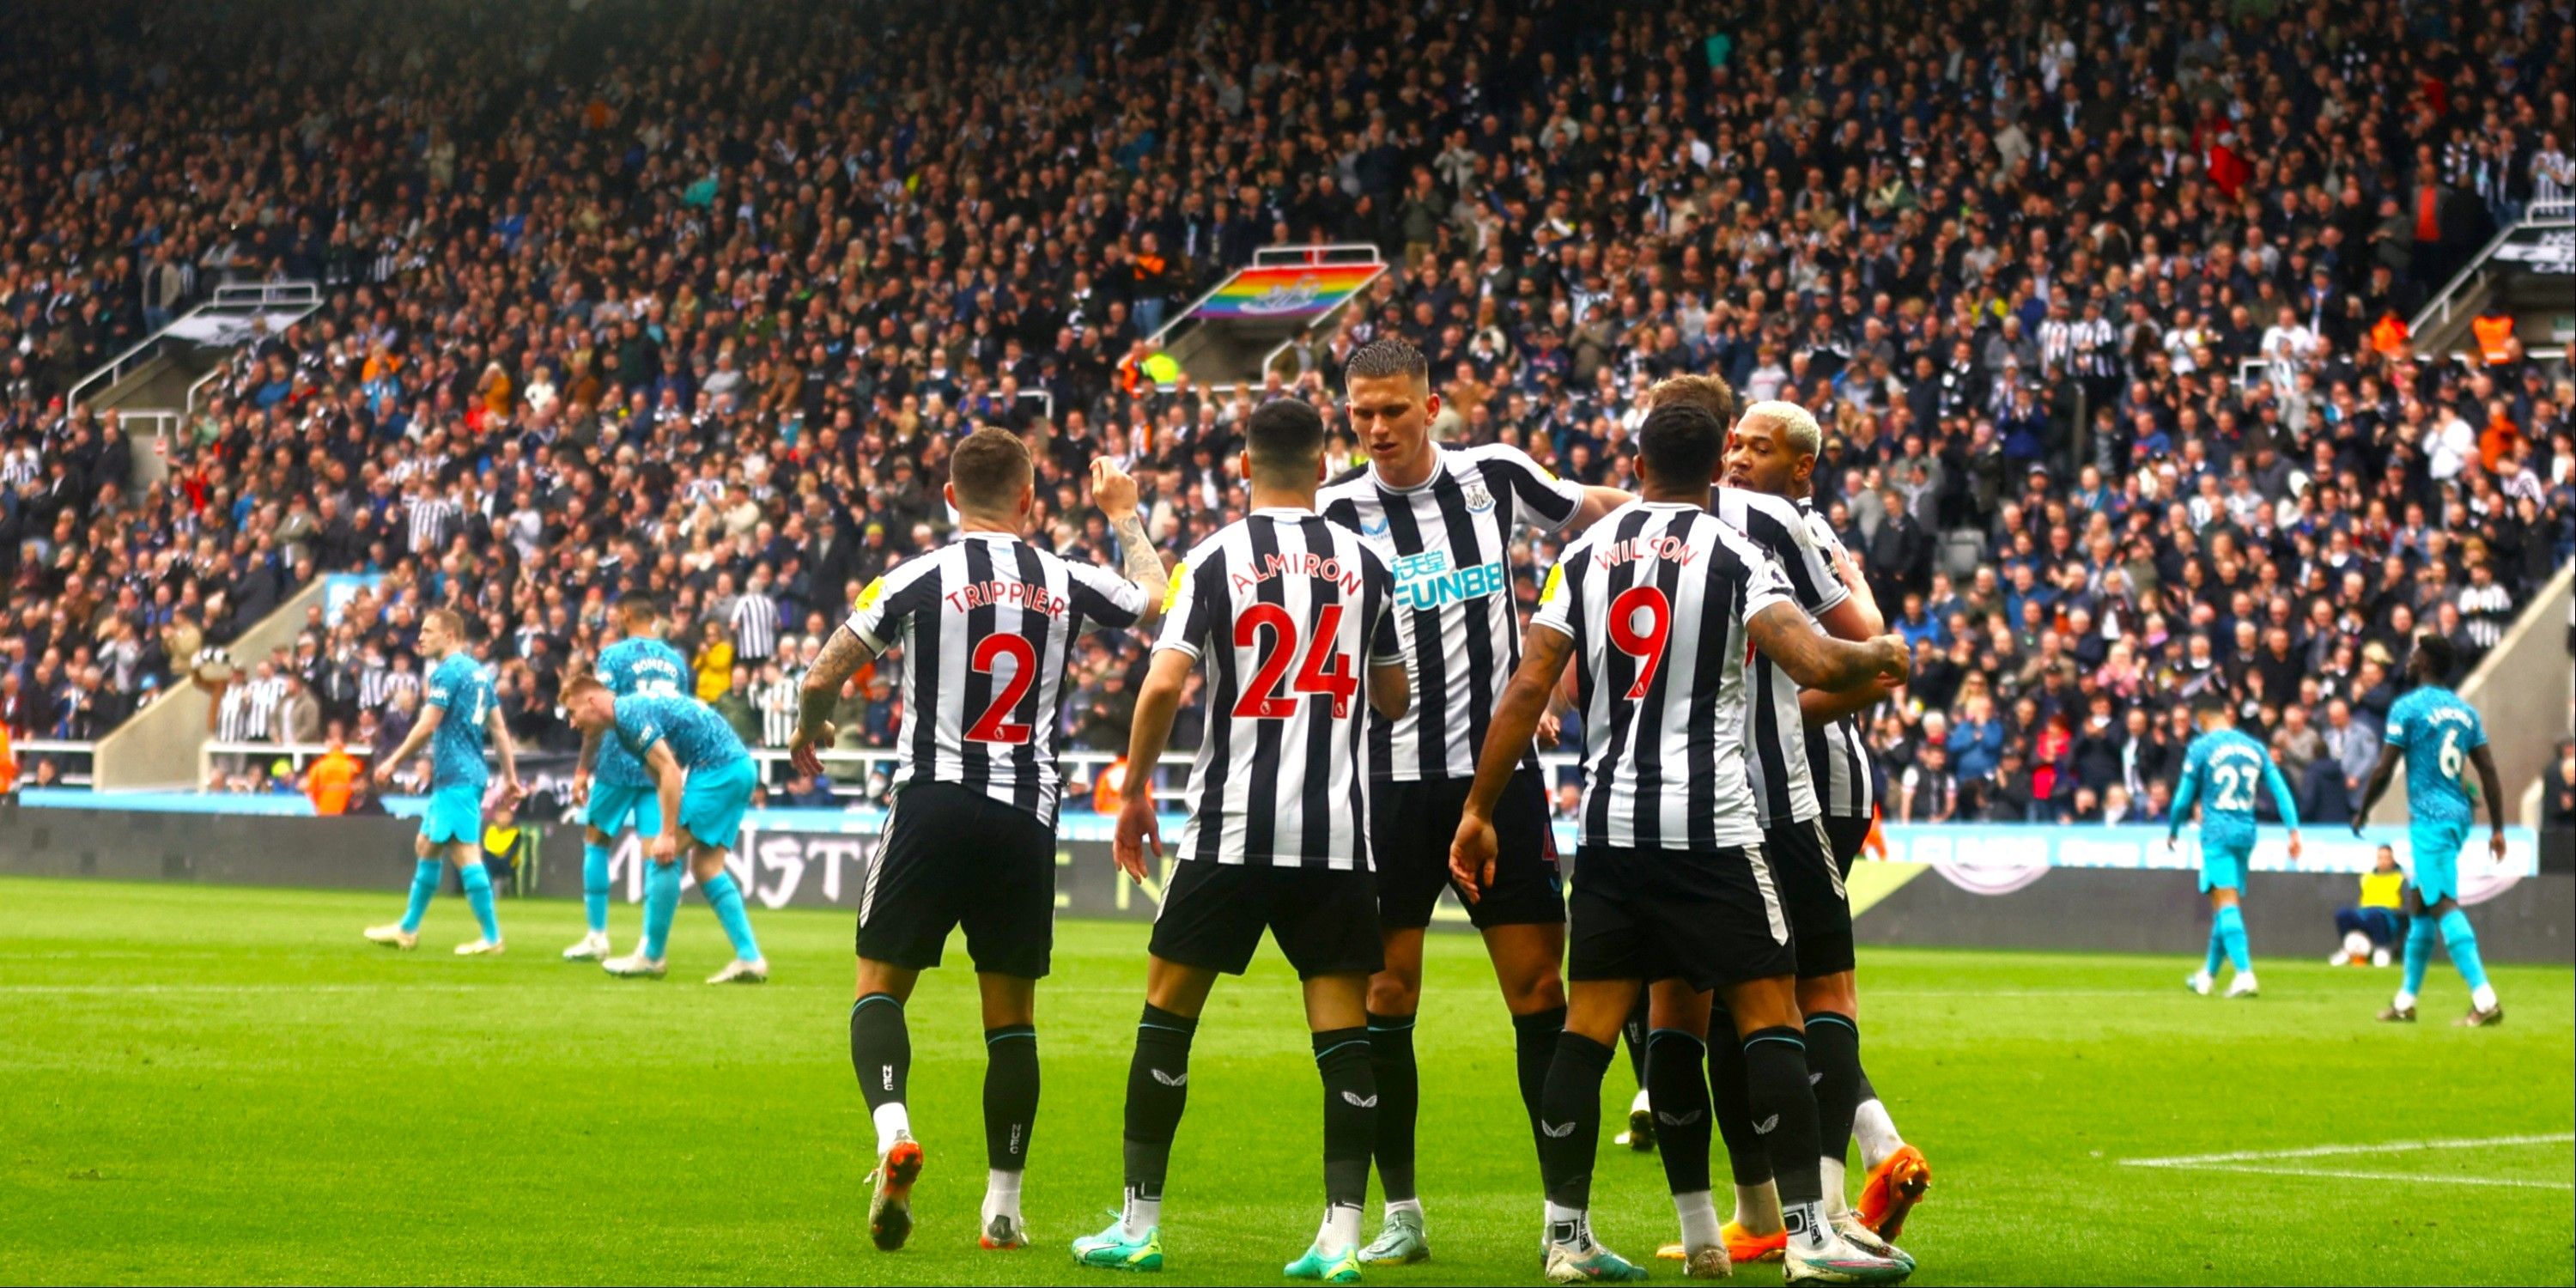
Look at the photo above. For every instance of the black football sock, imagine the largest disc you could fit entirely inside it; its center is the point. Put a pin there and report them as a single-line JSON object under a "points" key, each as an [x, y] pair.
{"points": [[1399, 1100], [1784, 1117], [1639, 1034], [1833, 1060], [881, 1054], [1010, 1095], [1351, 1110], [1677, 1087], [1533, 1050], [1747, 1158], [1570, 1119], [1158, 1088]]}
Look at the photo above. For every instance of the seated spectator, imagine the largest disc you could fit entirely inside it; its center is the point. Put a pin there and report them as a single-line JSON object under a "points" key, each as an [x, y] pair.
{"points": [[2379, 920]]}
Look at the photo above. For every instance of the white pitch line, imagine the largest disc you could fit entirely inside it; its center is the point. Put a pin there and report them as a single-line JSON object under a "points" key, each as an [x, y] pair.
{"points": [[2380, 1176], [2326, 1151]]}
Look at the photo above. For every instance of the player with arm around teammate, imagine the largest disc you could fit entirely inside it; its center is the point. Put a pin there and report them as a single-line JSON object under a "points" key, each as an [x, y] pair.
{"points": [[457, 713], [608, 784], [986, 623], [1286, 610], [2435, 732], [2220, 770], [704, 781], [1445, 518], [1773, 451], [1665, 603]]}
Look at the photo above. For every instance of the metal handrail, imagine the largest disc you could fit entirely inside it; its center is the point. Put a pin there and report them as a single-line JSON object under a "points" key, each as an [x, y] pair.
{"points": [[54, 747], [1319, 253], [302, 295], [298, 754]]}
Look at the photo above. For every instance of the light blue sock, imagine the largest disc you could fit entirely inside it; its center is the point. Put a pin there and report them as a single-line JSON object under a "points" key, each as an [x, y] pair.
{"points": [[424, 887], [478, 892], [594, 887], [661, 903], [2463, 945], [726, 898], [2217, 943], [2231, 932], [2420, 934]]}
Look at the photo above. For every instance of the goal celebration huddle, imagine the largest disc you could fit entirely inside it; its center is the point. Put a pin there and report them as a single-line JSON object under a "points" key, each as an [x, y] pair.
{"points": [[1375, 706]]}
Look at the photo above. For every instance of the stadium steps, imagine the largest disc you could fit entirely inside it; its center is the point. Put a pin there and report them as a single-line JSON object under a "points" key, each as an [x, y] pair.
{"points": [[156, 748], [153, 385], [2523, 271]]}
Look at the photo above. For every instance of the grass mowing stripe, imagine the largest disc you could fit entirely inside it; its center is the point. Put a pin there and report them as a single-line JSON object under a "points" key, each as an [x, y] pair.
{"points": [[228, 1084]]}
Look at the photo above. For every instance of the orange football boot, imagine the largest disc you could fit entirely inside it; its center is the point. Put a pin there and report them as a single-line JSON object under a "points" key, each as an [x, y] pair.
{"points": [[1893, 1188]]}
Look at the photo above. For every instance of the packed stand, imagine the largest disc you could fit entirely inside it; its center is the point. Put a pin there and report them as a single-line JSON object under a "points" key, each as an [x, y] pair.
{"points": [[600, 321]]}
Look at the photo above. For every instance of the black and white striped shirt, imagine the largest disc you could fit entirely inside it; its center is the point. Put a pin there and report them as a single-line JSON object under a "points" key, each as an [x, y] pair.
{"points": [[1776, 757], [1837, 760], [986, 623], [1288, 612], [1447, 542], [249, 710], [775, 700], [755, 626], [378, 686], [1655, 597], [434, 519]]}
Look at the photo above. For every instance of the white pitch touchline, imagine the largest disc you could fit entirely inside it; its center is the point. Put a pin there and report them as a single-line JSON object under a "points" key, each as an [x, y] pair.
{"points": [[2382, 1176], [2324, 1151]]}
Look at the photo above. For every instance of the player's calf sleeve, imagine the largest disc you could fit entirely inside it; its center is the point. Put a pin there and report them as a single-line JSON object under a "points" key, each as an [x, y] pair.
{"points": [[594, 887], [2461, 941], [1351, 1108], [2231, 935], [1533, 1050], [1158, 1082], [1677, 1087], [1833, 1062], [1010, 1095], [1399, 1099], [424, 887], [661, 904], [725, 896], [1784, 1117], [478, 896], [1569, 1119], [1746, 1156]]}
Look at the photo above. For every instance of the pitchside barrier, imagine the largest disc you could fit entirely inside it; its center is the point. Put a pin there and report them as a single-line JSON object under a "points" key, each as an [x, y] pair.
{"points": [[2088, 888]]}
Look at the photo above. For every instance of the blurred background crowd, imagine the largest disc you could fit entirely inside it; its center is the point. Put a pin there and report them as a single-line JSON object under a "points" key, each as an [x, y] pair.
{"points": [[2102, 310]]}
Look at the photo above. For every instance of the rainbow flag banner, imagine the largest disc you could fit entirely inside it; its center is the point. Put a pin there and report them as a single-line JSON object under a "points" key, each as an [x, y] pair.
{"points": [[1293, 290]]}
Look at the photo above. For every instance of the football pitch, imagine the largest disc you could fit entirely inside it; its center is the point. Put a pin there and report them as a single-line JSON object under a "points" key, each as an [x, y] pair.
{"points": [[228, 1084]]}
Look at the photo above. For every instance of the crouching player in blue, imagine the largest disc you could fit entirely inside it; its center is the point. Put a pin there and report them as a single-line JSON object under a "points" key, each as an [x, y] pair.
{"points": [[457, 710], [2220, 770], [2438, 735], [704, 780], [610, 785]]}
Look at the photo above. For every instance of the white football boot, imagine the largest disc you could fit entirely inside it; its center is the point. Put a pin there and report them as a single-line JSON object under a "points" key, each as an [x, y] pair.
{"points": [[393, 936]]}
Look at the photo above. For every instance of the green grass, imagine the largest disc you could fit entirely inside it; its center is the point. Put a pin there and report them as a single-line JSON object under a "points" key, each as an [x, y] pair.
{"points": [[227, 1084]]}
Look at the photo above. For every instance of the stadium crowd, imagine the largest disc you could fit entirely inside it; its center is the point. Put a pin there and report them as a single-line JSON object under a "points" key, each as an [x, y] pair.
{"points": [[689, 297]]}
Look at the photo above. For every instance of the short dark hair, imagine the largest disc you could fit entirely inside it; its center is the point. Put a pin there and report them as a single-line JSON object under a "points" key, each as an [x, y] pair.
{"points": [[988, 469], [1285, 438], [1679, 442], [1384, 357], [639, 607], [1709, 393], [2438, 654]]}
